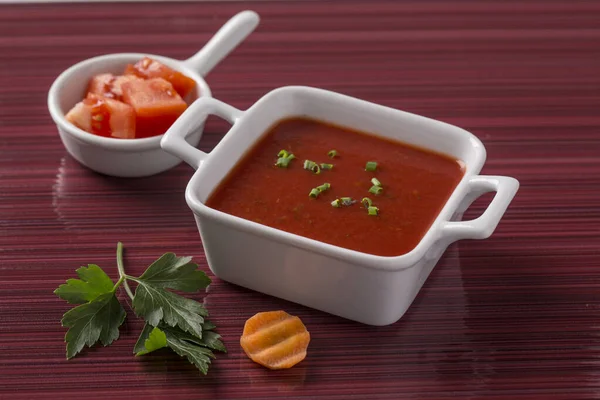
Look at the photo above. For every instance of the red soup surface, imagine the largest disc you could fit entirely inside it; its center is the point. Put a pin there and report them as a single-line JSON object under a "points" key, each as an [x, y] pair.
{"points": [[415, 186]]}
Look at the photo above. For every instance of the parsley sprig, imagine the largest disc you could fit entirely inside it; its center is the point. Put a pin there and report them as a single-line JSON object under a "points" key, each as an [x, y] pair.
{"points": [[172, 320]]}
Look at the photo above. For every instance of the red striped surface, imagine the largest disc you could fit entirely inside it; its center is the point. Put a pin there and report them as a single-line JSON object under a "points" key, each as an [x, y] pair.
{"points": [[514, 316]]}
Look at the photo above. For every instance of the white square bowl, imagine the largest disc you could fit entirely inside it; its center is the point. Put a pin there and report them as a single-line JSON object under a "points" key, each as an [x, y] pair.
{"points": [[371, 289]]}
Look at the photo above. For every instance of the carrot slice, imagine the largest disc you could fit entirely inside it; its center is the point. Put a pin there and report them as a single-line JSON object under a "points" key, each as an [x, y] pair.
{"points": [[275, 339]]}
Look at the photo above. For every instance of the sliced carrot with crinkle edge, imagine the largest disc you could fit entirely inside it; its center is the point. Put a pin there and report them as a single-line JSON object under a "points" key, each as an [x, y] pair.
{"points": [[275, 339]]}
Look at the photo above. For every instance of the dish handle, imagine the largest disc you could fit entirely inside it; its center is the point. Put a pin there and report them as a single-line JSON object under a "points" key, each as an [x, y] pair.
{"points": [[223, 42], [173, 141], [483, 226]]}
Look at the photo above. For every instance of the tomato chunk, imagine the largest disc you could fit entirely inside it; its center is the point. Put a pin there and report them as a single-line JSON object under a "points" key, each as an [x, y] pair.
{"points": [[109, 86], [156, 103], [102, 85], [117, 84], [148, 68], [103, 117]]}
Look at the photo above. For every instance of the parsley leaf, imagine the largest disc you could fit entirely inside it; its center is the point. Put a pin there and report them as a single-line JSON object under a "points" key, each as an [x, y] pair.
{"points": [[209, 339], [155, 304], [97, 320], [171, 320], [197, 351], [208, 326], [197, 355], [140, 345], [212, 340], [92, 283], [176, 273], [154, 339]]}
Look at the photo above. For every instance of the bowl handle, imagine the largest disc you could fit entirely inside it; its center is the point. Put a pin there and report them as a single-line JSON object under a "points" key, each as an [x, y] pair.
{"points": [[173, 141], [223, 42], [483, 226]]}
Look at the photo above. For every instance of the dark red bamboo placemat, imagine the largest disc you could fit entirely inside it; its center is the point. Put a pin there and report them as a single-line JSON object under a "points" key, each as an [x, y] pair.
{"points": [[514, 316]]}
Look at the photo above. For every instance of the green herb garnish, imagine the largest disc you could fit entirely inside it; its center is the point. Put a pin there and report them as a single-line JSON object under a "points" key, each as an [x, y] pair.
{"points": [[373, 210], [172, 320], [347, 201], [376, 190], [315, 192], [332, 153], [283, 153], [324, 187], [284, 162], [284, 158], [197, 351], [312, 166], [371, 166], [327, 166], [344, 201]]}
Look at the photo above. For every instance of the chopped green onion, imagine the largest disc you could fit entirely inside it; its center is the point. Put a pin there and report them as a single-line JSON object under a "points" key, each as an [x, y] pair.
{"points": [[332, 153], [312, 166], [315, 192], [375, 182], [371, 166], [283, 153], [323, 187], [376, 190], [372, 210], [344, 201], [282, 162], [326, 166], [366, 202], [284, 159], [347, 201]]}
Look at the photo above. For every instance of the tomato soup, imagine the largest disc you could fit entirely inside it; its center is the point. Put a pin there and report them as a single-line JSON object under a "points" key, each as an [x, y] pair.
{"points": [[414, 185]]}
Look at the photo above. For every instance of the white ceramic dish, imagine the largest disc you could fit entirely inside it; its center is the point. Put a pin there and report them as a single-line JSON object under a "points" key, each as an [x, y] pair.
{"points": [[370, 289], [137, 157]]}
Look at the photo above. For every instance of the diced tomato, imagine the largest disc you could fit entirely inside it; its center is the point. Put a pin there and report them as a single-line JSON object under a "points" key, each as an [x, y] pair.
{"points": [[148, 68], [117, 84], [109, 86], [104, 117], [102, 85], [99, 115], [156, 103]]}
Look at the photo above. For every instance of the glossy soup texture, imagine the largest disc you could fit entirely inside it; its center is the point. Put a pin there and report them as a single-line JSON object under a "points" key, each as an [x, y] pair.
{"points": [[416, 184]]}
